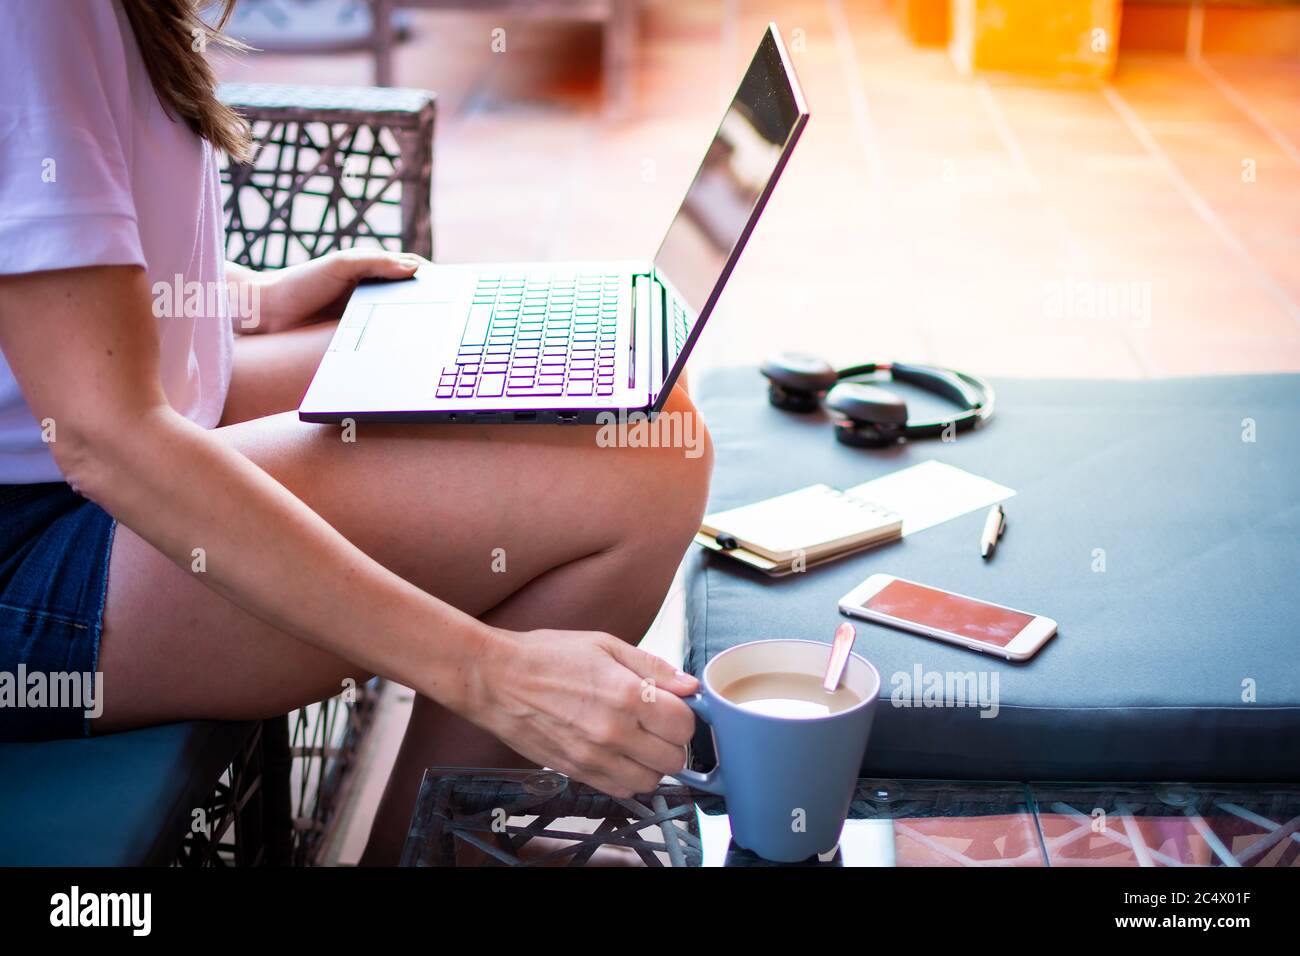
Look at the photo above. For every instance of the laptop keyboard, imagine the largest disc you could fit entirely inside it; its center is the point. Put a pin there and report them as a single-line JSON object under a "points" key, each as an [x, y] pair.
{"points": [[537, 335]]}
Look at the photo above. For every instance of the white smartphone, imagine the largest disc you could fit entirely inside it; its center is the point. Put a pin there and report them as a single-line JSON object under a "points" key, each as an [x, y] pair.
{"points": [[955, 618]]}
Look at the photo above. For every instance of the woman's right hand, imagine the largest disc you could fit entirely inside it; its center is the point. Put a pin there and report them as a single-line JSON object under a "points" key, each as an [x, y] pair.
{"points": [[586, 704]]}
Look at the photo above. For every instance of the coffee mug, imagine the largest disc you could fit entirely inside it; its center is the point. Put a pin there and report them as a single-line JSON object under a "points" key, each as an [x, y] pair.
{"points": [[787, 780]]}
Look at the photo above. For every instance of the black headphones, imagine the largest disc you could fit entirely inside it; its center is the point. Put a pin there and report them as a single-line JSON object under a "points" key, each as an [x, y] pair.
{"points": [[865, 415]]}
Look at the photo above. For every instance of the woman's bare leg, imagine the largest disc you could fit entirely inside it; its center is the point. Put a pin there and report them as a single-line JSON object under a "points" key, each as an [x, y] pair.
{"points": [[271, 372], [526, 526], [568, 531]]}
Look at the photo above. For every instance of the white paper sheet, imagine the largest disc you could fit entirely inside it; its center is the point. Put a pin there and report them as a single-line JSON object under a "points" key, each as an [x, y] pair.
{"points": [[931, 493]]}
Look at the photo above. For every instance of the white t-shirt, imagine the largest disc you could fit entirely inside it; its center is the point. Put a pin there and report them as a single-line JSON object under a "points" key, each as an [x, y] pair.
{"points": [[94, 172]]}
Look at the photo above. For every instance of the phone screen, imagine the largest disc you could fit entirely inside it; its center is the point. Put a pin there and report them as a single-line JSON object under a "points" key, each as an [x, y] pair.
{"points": [[949, 612]]}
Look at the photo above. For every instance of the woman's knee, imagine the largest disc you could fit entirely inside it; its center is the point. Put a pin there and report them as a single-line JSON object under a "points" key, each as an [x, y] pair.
{"points": [[690, 470], [669, 472]]}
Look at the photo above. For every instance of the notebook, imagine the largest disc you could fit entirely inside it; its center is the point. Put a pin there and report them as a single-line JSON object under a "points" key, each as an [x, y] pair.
{"points": [[792, 531], [817, 524]]}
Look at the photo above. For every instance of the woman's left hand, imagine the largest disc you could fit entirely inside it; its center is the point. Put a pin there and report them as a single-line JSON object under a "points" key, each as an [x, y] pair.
{"points": [[313, 291]]}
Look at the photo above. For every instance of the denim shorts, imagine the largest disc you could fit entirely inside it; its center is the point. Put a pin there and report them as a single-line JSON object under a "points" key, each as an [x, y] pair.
{"points": [[54, 549]]}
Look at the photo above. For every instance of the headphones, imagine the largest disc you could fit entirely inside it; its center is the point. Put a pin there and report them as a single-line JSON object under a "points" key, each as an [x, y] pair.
{"points": [[865, 415]]}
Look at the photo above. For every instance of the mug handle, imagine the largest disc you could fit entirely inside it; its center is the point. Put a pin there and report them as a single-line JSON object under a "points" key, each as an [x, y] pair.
{"points": [[710, 782]]}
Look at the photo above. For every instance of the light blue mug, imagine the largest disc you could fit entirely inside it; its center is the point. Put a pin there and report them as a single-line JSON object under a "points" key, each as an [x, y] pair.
{"points": [[788, 781]]}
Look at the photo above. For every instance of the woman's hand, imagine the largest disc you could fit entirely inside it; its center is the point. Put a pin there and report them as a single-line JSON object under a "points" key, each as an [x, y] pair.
{"points": [[586, 704], [312, 291]]}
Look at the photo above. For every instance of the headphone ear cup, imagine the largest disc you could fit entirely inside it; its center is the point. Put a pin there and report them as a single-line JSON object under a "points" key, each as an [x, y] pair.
{"points": [[866, 416], [789, 400], [797, 381]]}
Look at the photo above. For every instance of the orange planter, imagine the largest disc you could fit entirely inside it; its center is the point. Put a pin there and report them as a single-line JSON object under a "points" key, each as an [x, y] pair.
{"points": [[925, 22], [1038, 37]]}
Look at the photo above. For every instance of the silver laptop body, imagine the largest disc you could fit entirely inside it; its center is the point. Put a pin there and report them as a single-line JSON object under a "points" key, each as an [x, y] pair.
{"points": [[547, 342]]}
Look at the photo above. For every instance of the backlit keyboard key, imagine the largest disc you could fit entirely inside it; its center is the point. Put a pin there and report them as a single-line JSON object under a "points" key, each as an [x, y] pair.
{"points": [[491, 386], [476, 325]]}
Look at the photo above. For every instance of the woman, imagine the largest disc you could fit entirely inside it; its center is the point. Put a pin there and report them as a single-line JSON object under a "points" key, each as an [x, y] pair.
{"points": [[166, 520]]}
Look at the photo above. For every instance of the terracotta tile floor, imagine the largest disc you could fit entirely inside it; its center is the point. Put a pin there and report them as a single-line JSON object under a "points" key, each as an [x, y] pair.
{"points": [[924, 216]]}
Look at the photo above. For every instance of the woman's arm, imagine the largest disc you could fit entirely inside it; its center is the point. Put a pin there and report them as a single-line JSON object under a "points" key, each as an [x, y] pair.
{"points": [[84, 348]]}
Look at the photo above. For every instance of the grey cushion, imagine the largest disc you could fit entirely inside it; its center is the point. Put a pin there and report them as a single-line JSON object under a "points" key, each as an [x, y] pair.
{"points": [[1146, 677]]}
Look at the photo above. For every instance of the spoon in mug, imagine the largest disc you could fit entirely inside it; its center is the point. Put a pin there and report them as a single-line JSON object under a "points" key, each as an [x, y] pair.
{"points": [[840, 647]]}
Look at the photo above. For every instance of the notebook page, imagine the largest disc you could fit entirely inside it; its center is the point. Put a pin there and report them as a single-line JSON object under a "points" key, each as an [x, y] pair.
{"points": [[799, 520], [931, 493]]}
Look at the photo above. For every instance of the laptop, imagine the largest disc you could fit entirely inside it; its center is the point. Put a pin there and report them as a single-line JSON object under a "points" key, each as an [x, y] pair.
{"points": [[566, 342]]}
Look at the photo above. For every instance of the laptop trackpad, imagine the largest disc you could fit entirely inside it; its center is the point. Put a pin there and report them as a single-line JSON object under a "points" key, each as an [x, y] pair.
{"points": [[399, 327]]}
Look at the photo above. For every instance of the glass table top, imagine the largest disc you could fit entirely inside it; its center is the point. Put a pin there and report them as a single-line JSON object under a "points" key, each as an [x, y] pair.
{"points": [[483, 817]]}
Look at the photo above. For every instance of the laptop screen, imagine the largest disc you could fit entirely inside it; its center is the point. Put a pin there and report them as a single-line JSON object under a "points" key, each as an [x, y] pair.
{"points": [[725, 197]]}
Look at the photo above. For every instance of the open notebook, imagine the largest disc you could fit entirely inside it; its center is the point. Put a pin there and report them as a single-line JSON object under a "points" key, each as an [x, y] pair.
{"points": [[816, 524], [804, 527]]}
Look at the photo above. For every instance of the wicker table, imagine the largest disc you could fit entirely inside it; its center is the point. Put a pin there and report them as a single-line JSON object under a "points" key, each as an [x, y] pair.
{"points": [[467, 816], [336, 166]]}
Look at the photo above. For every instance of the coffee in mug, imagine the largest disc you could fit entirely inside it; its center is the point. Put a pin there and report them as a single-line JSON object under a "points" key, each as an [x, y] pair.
{"points": [[785, 694]]}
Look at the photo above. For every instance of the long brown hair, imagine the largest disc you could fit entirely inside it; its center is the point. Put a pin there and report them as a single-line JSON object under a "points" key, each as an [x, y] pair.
{"points": [[173, 38]]}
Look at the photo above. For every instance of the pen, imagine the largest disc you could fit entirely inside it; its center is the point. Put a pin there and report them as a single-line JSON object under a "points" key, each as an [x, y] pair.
{"points": [[994, 525]]}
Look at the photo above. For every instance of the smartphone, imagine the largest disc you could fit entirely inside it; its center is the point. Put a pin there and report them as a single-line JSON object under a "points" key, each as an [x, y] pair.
{"points": [[945, 616]]}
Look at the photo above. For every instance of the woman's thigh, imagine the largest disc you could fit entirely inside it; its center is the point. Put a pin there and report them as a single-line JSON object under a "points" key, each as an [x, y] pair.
{"points": [[472, 514], [272, 371]]}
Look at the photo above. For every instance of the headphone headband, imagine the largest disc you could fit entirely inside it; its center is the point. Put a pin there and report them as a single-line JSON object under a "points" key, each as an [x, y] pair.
{"points": [[865, 414]]}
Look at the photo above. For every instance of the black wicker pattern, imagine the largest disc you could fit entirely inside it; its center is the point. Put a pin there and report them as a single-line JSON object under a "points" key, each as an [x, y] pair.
{"points": [[233, 828], [481, 810], [335, 167], [323, 743]]}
